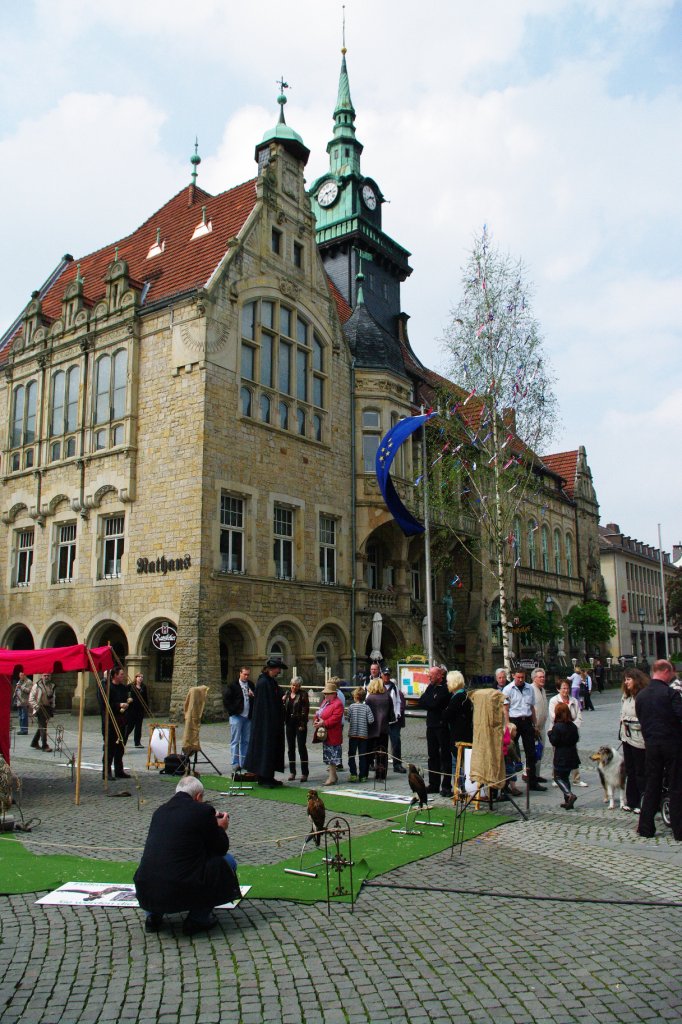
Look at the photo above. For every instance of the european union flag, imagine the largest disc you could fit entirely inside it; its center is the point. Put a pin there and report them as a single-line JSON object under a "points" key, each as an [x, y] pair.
{"points": [[386, 452]]}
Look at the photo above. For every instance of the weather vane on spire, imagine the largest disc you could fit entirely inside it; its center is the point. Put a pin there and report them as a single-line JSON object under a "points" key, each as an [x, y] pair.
{"points": [[343, 29], [281, 99]]}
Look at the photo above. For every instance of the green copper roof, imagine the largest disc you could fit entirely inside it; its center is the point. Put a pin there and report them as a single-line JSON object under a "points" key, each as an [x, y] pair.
{"points": [[283, 133], [282, 129], [343, 100]]}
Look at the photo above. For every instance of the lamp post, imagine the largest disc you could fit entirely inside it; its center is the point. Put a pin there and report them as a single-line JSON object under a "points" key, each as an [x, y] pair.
{"points": [[551, 650], [645, 663]]}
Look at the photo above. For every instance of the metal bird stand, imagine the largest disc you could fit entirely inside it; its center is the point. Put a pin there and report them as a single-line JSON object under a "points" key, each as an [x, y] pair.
{"points": [[299, 870], [337, 832], [406, 830]]}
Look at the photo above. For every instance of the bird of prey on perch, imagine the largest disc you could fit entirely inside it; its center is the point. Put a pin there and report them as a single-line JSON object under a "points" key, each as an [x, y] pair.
{"points": [[316, 813]]}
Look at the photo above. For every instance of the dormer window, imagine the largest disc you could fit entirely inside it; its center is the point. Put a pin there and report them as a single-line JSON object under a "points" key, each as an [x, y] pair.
{"points": [[158, 246], [204, 228]]}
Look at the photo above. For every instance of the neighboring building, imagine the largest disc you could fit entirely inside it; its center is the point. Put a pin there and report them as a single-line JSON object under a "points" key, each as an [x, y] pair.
{"points": [[632, 573], [191, 417]]}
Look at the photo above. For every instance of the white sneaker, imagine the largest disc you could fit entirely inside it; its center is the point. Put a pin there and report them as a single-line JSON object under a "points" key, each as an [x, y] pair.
{"points": [[554, 784], [583, 784]]}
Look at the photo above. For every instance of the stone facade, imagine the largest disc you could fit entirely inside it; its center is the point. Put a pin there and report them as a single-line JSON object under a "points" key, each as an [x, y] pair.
{"points": [[123, 531]]}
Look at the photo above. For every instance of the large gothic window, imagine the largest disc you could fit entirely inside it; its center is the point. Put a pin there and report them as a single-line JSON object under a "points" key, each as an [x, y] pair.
{"points": [[285, 358]]}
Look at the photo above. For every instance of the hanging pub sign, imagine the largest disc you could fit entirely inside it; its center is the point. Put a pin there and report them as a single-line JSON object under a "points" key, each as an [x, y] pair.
{"points": [[163, 565], [164, 637]]}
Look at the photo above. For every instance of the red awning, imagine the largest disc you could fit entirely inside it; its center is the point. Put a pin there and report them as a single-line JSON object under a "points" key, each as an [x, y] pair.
{"points": [[46, 659], [55, 659]]}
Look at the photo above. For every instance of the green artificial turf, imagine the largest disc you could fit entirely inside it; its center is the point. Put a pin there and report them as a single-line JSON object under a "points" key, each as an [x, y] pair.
{"points": [[373, 854]]}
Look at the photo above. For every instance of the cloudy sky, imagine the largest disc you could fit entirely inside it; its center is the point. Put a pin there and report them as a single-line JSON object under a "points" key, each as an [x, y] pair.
{"points": [[554, 122]]}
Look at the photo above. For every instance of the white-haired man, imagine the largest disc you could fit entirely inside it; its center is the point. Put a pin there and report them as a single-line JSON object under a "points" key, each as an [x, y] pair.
{"points": [[185, 864]]}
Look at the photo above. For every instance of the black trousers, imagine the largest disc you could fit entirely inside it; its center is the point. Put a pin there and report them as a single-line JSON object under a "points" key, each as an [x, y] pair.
{"points": [[635, 774], [526, 733], [296, 739], [114, 750], [662, 758], [439, 758], [135, 727]]}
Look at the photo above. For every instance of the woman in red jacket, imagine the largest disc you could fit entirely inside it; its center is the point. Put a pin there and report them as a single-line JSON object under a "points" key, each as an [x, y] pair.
{"points": [[330, 714]]}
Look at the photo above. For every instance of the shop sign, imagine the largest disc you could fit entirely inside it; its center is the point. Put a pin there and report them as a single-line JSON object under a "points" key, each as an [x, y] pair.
{"points": [[165, 637]]}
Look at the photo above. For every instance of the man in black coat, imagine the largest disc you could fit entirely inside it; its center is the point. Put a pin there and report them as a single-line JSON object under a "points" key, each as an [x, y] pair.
{"points": [[659, 710], [118, 696], [266, 746], [185, 864], [435, 699]]}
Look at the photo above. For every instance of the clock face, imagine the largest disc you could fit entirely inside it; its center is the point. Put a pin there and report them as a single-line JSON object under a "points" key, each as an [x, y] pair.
{"points": [[328, 193], [369, 197]]}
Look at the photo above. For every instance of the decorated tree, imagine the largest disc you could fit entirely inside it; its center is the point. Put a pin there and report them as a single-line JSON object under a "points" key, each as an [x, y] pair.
{"points": [[591, 623], [503, 414]]}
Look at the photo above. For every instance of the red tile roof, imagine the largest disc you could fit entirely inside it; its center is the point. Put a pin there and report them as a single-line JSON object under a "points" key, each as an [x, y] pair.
{"points": [[343, 310], [183, 265], [564, 464]]}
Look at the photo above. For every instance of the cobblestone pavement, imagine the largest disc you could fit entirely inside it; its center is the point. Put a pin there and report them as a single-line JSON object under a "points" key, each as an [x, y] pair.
{"points": [[549, 920]]}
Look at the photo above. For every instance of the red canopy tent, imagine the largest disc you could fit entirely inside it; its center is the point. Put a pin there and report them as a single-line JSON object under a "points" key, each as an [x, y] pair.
{"points": [[47, 659]]}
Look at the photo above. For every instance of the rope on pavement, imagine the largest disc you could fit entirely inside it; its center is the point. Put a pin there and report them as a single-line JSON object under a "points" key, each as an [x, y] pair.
{"points": [[494, 894]]}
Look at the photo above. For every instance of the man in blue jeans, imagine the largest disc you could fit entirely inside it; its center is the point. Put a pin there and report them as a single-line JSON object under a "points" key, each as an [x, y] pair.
{"points": [[238, 702], [185, 864]]}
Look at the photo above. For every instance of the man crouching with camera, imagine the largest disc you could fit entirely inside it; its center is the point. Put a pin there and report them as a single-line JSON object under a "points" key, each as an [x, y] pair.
{"points": [[185, 864]]}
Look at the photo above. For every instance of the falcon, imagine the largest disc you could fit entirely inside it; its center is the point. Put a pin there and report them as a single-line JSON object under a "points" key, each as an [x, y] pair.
{"points": [[316, 813], [417, 785]]}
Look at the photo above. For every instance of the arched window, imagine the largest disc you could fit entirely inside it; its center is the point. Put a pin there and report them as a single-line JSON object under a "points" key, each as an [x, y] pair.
{"points": [[284, 415], [57, 418], [265, 408], [557, 552], [532, 548], [102, 387], [569, 555], [517, 540], [545, 549], [371, 436], [300, 419], [496, 623], [317, 427], [31, 402], [64, 412], [18, 416], [245, 396], [24, 414], [118, 403]]}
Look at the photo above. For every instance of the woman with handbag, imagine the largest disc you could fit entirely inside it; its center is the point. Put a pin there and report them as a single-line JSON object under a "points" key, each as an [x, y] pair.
{"points": [[630, 735], [41, 702], [329, 717], [296, 712]]}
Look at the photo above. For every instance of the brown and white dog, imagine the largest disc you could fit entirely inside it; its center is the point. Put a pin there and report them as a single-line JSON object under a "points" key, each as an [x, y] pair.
{"points": [[611, 768]]}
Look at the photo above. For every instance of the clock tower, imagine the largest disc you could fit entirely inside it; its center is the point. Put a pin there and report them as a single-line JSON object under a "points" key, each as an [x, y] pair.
{"points": [[347, 209]]}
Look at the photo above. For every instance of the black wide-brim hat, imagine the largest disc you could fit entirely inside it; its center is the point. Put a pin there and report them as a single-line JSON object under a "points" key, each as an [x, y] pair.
{"points": [[275, 663]]}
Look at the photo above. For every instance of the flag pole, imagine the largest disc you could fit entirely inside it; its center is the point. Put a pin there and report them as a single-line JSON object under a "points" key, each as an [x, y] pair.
{"points": [[427, 548], [665, 610]]}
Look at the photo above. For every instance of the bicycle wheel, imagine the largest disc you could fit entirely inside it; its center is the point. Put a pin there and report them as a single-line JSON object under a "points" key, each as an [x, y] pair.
{"points": [[665, 810]]}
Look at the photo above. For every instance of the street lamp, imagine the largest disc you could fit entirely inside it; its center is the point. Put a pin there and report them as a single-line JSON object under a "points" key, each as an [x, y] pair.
{"points": [[642, 616], [551, 649]]}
